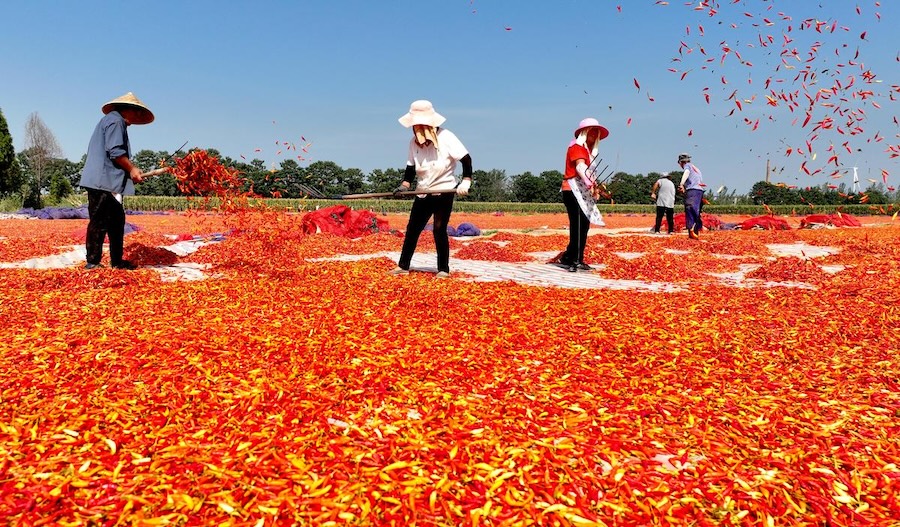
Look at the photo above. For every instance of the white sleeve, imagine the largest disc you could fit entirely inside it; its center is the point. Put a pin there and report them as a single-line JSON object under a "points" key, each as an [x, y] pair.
{"points": [[451, 144], [410, 157], [684, 177], [581, 168]]}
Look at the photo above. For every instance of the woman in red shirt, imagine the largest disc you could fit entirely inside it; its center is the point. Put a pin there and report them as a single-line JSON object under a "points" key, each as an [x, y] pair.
{"points": [[581, 152]]}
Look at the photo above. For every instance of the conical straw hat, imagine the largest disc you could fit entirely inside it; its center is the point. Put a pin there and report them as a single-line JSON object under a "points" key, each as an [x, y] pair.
{"points": [[129, 99]]}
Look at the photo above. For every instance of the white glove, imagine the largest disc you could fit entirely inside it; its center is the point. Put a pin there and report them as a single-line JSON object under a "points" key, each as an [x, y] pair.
{"points": [[463, 188]]}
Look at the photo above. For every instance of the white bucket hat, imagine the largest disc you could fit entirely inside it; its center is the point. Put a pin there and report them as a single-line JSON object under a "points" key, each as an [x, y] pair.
{"points": [[422, 112], [129, 99]]}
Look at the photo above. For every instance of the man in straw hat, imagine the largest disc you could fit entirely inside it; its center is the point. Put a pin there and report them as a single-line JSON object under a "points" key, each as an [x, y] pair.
{"points": [[692, 187], [108, 174], [431, 162]]}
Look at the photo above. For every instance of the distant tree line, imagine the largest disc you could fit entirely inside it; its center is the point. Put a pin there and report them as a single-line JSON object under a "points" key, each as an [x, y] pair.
{"points": [[780, 194], [39, 176]]}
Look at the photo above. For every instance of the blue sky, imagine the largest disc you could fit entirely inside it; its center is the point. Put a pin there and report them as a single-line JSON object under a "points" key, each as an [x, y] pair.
{"points": [[513, 78]]}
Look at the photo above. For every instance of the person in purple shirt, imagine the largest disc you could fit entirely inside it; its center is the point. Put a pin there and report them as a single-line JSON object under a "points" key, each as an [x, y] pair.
{"points": [[692, 186], [109, 174]]}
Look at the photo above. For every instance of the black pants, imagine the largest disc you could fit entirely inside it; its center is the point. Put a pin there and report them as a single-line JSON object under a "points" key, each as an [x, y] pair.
{"points": [[670, 218], [107, 218], [579, 225], [440, 206]]}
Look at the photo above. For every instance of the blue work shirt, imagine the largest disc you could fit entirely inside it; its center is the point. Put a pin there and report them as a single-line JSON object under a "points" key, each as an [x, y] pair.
{"points": [[110, 141], [694, 179]]}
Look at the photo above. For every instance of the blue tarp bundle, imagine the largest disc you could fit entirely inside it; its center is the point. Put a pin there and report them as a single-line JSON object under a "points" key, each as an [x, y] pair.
{"points": [[464, 229], [69, 213], [57, 213], [467, 229]]}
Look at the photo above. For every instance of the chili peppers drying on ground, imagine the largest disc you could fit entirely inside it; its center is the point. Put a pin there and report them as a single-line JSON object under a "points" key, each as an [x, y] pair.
{"points": [[291, 390]]}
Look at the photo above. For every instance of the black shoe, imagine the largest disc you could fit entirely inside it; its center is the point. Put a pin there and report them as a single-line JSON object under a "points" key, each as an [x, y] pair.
{"points": [[124, 264], [92, 265], [581, 266], [572, 268]]}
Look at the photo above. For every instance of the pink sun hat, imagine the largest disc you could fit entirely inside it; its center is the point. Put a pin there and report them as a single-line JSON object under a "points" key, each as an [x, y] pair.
{"points": [[590, 122]]}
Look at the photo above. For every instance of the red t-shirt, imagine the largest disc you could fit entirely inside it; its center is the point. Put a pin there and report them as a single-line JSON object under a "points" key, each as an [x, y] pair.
{"points": [[574, 153]]}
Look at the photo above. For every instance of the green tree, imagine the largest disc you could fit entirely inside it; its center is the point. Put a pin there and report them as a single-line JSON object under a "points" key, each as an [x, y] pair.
{"points": [[528, 188], [61, 173], [353, 180], [161, 185], [383, 180], [10, 173], [255, 175], [525, 187], [811, 196], [768, 194], [325, 176], [148, 160], [489, 186], [627, 188], [31, 192], [71, 169], [835, 196], [287, 181], [332, 180], [60, 187], [552, 182], [877, 195]]}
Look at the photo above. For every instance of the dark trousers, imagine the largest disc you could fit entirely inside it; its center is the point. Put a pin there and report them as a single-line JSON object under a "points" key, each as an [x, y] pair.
{"points": [[669, 212], [693, 204], [579, 225], [107, 218], [440, 206]]}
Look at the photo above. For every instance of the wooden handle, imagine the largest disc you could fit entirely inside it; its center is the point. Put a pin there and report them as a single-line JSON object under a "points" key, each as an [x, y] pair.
{"points": [[392, 194], [155, 172]]}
